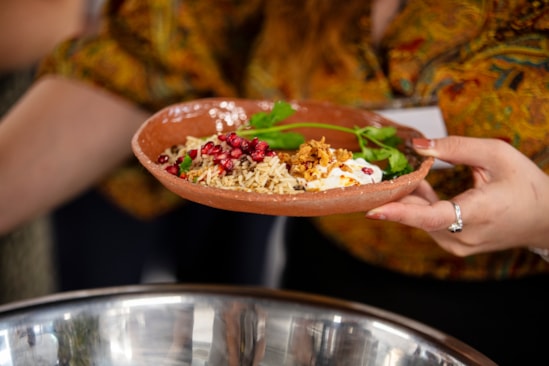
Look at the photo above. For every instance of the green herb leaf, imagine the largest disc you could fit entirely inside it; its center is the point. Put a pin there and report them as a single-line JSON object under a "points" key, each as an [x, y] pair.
{"points": [[281, 110], [384, 139], [185, 165], [282, 140]]}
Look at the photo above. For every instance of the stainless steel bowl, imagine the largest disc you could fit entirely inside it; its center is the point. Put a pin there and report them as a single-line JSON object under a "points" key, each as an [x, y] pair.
{"points": [[157, 325]]}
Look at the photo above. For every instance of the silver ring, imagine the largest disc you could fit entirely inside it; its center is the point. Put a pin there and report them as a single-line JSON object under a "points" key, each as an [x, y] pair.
{"points": [[457, 226]]}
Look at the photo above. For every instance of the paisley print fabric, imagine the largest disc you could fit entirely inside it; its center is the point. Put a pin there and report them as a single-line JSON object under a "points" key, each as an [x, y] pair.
{"points": [[486, 62]]}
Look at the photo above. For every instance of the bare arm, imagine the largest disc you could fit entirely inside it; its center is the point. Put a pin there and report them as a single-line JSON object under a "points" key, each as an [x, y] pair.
{"points": [[31, 28], [57, 141]]}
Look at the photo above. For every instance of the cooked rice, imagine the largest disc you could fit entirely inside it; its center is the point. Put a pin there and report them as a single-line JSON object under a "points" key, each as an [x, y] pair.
{"points": [[308, 169], [269, 176]]}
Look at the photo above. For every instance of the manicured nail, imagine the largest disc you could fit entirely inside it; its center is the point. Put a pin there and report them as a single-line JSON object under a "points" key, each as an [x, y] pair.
{"points": [[376, 215], [421, 143]]}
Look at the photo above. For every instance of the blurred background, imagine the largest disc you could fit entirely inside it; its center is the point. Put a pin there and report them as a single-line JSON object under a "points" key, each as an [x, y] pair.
{"points": [[29, 30]]}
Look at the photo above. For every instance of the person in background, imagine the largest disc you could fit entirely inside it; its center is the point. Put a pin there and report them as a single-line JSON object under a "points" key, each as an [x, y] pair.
{"points": [[126, 229], [484, 62], [31, 28], [26, 258]]}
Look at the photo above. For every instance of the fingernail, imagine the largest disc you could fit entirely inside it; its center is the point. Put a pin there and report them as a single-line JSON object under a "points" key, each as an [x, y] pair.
{"points": [[376, 215], [422, 143]]}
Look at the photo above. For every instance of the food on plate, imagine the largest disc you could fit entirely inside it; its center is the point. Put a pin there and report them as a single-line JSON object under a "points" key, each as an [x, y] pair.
{"points": [[264, 157], [229, 161], [317, 166]]}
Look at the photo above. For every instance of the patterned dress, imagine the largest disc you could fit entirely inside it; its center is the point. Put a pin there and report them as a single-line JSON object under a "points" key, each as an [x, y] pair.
{"points": [[486, 62]]}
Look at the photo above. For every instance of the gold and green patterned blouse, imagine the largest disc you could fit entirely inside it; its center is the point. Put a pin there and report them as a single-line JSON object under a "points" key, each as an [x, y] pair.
{"points": [[486, 62]]}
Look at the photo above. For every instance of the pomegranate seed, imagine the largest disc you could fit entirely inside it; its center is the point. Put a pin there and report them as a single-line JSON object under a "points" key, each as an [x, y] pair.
{"points": [[258, 155], [236, 153], [367, 170], [261, 145], [172, 169], [162, 159], [253, 143], [220, 156], [234, 140], [192, 153], [207, 147], [227, 164], [216, 150], [245, 145]]}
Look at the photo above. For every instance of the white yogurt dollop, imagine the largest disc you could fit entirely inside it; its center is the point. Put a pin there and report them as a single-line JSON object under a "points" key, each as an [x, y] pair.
{"points": [[361, 172]]}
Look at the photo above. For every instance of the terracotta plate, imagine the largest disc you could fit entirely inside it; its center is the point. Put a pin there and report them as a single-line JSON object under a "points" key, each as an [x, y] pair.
{"points": [[204, 117]]}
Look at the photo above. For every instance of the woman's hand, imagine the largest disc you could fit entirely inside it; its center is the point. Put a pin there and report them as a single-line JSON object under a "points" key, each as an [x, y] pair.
{"points": [[508, 206]]}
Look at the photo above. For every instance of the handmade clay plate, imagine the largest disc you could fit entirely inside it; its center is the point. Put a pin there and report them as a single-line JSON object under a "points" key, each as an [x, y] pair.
{"points": [[204, 117]]}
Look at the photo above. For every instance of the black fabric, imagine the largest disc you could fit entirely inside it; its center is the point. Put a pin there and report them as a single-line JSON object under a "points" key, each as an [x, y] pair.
{"points": [[98, 245], [505, 320]]}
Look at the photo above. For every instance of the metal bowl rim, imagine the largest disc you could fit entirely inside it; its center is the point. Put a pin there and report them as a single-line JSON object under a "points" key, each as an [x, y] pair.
{"points": [[444, 341]]}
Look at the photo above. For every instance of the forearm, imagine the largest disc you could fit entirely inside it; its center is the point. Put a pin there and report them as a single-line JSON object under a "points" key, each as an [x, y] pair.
{"points": [[57, 141]]}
